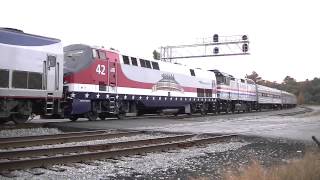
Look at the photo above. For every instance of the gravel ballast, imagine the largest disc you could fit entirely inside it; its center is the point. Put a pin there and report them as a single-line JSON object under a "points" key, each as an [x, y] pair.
{"points": [[95, 142], [210, 161], [28, 132]]}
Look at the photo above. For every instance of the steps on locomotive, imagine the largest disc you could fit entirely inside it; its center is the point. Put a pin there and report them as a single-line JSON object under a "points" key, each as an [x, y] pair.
{"points": [[112, 104], [49, 104]]}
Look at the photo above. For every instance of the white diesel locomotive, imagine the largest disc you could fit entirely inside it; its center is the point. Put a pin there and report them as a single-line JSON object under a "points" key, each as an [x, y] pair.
{"points": [[38, 76]]}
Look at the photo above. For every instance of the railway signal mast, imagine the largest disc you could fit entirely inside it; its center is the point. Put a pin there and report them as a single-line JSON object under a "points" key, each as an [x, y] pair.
{"points": [[208, 47]]}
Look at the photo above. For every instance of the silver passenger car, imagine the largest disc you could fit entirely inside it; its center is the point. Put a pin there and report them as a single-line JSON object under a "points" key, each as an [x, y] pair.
{"points": [[31, 74]]}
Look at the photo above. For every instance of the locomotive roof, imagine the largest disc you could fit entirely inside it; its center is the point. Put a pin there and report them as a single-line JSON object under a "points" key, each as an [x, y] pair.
{"points": [[18, 37], [217, 72]]}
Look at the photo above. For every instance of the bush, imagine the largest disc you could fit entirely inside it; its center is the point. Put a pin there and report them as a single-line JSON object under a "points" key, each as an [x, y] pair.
{"points": [[307, 168]]}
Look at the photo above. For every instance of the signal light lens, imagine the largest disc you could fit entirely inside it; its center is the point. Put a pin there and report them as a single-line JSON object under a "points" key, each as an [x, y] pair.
{"points": [[216, 38], [216, 50], [245, 48]]}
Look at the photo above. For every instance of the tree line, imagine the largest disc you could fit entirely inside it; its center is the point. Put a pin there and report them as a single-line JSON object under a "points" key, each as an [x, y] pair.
{"points": [[307, 92]]}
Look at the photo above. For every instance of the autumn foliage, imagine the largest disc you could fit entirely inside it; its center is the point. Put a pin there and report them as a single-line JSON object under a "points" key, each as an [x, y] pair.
{"points": [[307, 92]]}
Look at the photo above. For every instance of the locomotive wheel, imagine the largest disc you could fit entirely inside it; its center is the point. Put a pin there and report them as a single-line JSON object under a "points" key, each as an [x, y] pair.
{"points": [[227, 110], [203, 112], [102, 117], [120, 116], [92, 115], [19, 118], [73, 118], [3, 120]]}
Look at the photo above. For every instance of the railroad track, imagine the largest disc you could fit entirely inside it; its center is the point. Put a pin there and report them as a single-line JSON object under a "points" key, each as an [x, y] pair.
{"points": [[46, 157], [28, 125], [18, 142]]}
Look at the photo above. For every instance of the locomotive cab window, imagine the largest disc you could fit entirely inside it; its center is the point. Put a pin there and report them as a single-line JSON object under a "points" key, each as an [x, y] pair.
{"points": [[192, 72], [134, 61], [148, 64], [223, 80], [227, 80], [94, 53], [142, 63], [220, 79], [126, 60], [4, 78], [102, 55], [155, 65]]}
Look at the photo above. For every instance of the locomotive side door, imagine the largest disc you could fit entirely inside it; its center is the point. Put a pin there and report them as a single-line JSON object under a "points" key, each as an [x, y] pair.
{"points": [[112, 74], [50, 83], [51, 73], [100, 76]]}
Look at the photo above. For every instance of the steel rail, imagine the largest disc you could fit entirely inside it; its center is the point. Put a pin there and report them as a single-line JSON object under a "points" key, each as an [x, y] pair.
{"points": [[58, 140], [48, 161], [88, 148], [52, 135], [20, 126]]}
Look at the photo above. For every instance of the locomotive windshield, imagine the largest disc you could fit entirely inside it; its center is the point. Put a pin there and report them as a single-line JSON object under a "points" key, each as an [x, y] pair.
{"points": [[223, 80], [76, 57], [220, 79]]}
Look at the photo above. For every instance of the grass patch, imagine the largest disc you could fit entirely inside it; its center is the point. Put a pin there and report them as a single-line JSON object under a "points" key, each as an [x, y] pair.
{"points": [[307, 168]]}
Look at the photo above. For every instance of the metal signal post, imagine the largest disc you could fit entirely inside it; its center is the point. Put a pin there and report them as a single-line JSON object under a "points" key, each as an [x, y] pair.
{"points": [[209, 47]]}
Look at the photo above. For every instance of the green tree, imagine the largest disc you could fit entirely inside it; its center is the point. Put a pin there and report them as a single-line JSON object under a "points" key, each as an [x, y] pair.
{"points": [[289, 84], [156, 55], [307, 92]]}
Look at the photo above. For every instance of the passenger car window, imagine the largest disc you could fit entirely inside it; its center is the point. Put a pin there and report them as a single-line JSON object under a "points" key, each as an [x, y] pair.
{"points": [[4, 78], [192, 72], [148, 64], [155, 65], [134, 61], [142, 63], [20, 79]]}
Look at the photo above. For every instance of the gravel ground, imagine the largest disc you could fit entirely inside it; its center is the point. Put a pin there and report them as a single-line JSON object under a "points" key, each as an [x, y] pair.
{"points": [[28, 132], [210, 161]]}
